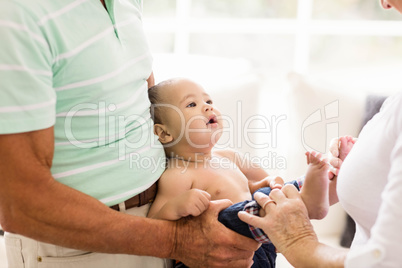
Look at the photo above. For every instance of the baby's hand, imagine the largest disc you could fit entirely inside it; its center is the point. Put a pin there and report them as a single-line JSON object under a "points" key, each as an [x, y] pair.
{"points": [[276, 183], [193, 202], [269, 181]]}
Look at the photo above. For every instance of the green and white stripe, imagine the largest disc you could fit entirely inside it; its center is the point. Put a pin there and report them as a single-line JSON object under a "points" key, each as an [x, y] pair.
{"points": [[76, 66]]}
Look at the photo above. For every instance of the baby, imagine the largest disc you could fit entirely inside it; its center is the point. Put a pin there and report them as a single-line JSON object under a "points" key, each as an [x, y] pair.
{"points": [[189, 125]]}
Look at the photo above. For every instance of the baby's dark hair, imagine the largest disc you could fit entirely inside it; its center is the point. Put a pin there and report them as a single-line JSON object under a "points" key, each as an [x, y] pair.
{"points": [[155, 99]]}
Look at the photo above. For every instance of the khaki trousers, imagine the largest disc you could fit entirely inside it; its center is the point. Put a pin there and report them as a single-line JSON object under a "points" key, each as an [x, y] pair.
{"points": [[23, 252]]}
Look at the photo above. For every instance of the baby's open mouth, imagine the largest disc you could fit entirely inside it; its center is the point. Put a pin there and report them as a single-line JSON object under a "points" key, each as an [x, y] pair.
{"points": [[212, 120]]}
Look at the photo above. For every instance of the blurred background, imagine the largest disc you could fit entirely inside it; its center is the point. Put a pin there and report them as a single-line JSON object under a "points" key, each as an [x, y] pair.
{"points": [[288, 75], [277, 36], [255, 57]]}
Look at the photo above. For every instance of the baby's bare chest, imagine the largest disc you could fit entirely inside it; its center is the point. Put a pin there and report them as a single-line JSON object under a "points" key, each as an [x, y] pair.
{"points": [[222, 182]]}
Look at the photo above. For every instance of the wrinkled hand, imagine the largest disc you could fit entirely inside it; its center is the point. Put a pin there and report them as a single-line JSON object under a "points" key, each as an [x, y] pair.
{"points": [[286, 221], [204, 242]]}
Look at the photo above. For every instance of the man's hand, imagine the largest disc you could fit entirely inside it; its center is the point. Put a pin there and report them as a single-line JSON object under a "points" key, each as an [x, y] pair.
{"points": [[204, 242]]}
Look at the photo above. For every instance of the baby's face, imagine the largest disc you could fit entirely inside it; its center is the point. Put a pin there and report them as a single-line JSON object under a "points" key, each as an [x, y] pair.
{"points": [[192, 114]]}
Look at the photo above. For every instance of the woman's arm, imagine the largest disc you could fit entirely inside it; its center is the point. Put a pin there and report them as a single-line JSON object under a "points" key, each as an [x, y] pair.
{"points": [[287, 224]]}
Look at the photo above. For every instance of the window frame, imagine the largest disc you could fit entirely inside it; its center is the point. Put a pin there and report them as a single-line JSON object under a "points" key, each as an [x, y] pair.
{"points": [[303, 27]]}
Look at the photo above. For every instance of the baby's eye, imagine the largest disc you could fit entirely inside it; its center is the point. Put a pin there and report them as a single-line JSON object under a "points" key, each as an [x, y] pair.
{"points": [[191, 105], [209, 102]]}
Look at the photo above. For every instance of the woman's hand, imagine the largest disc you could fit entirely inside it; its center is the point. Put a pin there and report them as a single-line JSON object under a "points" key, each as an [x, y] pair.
{"points": [[286, 223]]}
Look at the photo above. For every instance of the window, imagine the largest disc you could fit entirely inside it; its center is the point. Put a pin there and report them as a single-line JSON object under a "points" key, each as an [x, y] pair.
{"points": [[277, 36]]}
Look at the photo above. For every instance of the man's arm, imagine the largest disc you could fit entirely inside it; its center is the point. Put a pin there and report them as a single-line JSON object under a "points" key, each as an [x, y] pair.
{"points": [[33, 204]]}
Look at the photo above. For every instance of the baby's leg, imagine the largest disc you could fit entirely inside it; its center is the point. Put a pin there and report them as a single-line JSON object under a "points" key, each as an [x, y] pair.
{"points": [[315, 188]]}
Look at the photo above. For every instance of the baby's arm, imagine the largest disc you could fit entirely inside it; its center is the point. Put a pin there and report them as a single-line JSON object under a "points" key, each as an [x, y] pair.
{"points": [[175, 198]]}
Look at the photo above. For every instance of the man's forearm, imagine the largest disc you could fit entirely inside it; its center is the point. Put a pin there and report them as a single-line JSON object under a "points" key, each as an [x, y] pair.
{"points": [[167, 212], [33, 204], [56, 214]]}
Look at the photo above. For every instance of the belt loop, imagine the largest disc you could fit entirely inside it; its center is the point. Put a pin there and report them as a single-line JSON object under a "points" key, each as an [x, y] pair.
{"points": [[141, 198], [122, 207]]}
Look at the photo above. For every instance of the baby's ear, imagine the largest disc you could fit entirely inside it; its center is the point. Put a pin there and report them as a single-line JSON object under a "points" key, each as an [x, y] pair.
{"points": [[162, 132]]}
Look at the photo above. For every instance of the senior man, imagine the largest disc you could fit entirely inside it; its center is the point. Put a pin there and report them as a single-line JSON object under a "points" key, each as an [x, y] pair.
{"points": [[73, 110]]}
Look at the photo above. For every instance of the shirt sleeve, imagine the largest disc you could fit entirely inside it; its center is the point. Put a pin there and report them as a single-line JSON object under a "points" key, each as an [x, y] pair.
{"points": [[384, 246], [27, 98]]}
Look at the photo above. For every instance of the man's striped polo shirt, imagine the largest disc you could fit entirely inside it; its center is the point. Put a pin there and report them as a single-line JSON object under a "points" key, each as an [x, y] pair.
{"points": [[82, 68]]}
